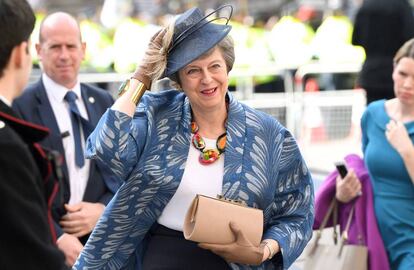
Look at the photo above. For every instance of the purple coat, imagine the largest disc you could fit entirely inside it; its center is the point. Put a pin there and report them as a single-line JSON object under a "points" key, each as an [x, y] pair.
{"points": [[364, 228]]}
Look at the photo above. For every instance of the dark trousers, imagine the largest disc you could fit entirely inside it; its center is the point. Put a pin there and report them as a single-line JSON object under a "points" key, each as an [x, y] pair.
{"points": [[168, 249]]}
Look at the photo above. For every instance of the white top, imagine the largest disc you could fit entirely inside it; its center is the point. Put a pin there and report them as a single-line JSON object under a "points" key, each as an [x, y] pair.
{"points": [[197, 179], [5, 100], [78, 177]]}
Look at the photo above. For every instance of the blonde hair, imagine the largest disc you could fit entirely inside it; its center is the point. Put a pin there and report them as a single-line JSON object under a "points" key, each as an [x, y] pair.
{"points": [[407, 50]]}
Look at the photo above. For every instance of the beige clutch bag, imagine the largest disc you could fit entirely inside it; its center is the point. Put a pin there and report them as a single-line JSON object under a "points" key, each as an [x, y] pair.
{"points": [[208, 219]]}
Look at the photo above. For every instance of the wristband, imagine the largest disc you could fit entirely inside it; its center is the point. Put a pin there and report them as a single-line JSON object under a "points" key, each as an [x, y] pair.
{"points": [[138, 91]]}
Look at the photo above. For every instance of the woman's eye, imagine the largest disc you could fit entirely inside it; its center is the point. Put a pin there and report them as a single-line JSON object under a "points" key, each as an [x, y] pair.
{"points": [[191, 71]]}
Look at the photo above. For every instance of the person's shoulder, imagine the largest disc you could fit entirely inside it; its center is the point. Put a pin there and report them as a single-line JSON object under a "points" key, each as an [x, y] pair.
{"points": [[33, 86], [4, 131], [28, 94], [8, 136], [376, 106], [97, 92], [163, 98], [30, 90], [166, 94], [375, 113], [94, 89]]}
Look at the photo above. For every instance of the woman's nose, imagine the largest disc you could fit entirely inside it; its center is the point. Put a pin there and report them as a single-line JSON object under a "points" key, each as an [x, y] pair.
{"points": [[206, 77]]}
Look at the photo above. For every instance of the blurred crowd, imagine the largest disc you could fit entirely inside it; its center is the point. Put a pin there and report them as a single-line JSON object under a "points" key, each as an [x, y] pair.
{"points": [[286, 38], [68, 193]]}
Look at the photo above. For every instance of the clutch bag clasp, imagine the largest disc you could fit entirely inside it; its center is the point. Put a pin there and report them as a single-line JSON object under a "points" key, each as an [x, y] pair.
{"points": [[237, 202]]}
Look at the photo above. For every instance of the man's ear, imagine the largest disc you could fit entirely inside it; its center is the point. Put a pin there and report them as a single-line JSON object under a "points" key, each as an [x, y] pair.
{"points": [[19, 53], [83, 44], [16, 56], [38, 47], [27, 49]]}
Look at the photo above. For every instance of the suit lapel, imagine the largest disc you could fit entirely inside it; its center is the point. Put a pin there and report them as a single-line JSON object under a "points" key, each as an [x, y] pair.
{"points": [[88, 126], [91, 105], [47, 116]]}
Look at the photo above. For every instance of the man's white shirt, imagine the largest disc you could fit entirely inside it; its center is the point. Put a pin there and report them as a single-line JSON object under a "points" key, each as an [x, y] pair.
{"points": [[78, 177]]}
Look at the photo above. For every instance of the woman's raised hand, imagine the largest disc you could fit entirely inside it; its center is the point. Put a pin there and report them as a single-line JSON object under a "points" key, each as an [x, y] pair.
{"points": [[398, 137], [145, 69]]}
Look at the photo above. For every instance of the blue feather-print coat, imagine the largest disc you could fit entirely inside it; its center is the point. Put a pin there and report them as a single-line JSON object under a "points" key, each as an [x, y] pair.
{"points": [[263, 167]]}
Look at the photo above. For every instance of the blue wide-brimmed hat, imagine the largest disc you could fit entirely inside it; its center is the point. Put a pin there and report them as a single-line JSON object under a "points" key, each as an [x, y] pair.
{"points": [[194, 35]]}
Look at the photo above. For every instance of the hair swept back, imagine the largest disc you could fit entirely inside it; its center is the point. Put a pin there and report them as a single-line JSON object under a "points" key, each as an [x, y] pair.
{"points": [[406, 50]]}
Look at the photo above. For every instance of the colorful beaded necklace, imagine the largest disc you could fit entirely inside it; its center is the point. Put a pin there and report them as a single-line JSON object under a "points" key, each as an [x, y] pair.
{"points": [[207, 156]]}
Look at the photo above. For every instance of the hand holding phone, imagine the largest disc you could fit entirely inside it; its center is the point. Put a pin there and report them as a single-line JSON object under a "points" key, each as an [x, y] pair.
{"points": [[343, 171], [341, 168]]}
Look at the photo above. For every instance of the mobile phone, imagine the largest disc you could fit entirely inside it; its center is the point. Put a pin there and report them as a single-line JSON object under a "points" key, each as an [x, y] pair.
{"points": [[341, 168]]}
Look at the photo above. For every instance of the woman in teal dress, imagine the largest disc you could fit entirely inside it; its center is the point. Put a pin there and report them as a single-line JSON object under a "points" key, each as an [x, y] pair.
{"points": [[387, 140]]}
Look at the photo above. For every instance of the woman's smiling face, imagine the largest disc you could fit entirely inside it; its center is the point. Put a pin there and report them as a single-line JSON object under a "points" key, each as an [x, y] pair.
{"points": [[205, 81]]}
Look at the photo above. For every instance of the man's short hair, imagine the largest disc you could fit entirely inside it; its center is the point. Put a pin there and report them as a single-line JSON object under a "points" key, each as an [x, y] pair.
{"points": [[17, 21]]}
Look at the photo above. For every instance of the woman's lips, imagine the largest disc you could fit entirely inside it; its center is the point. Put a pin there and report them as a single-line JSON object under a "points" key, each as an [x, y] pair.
{"points": [[406, 95], [209, 92]]}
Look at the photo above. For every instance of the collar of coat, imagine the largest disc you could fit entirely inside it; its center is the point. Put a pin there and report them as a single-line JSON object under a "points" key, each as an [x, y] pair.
{"points": [[30, 132]]}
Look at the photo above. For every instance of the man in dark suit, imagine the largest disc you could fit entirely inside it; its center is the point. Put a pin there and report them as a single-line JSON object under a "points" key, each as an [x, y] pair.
{"points": [[27, 241], [70, 110]]}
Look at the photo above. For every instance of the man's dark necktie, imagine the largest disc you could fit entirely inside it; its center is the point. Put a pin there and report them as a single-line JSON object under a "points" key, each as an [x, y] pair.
{"points": [[76, 118]]}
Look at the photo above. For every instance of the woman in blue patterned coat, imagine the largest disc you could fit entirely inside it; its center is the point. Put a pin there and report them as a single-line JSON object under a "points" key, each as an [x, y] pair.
{"points": [[157, 148]]}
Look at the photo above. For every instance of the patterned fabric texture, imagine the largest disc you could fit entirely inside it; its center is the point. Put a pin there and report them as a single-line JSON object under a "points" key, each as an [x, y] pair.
{"points": [[263, 167]]}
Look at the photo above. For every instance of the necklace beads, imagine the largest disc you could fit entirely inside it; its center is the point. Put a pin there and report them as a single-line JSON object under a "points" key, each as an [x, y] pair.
{"points": [[207, 156]]}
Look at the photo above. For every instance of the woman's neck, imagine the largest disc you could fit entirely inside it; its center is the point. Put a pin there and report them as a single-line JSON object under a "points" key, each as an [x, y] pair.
{"points": [[211, 124]]}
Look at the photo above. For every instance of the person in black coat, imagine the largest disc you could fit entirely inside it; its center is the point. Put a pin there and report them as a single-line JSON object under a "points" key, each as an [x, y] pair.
{"points": [[27, 239], [381, 27]]}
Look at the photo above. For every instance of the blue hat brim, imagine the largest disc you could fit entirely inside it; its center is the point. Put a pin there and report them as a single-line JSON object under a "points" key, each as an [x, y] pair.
{"points": [[194, 46]]}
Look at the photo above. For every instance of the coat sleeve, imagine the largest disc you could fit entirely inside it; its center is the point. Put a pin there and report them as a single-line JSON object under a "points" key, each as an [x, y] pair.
{"points": [[23, 218], [117, 141], [292, 211]]}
